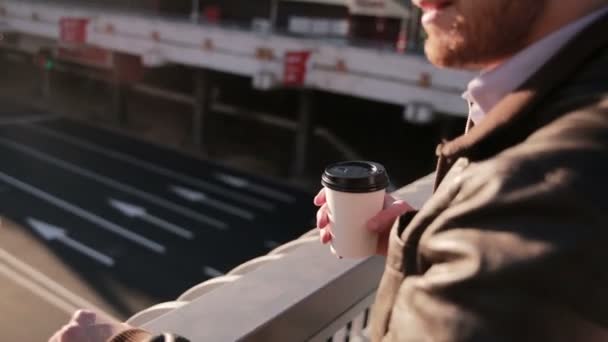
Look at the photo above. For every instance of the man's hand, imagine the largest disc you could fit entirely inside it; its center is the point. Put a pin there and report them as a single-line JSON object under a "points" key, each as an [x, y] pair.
{"points": [[87, 326], [380, 224]]}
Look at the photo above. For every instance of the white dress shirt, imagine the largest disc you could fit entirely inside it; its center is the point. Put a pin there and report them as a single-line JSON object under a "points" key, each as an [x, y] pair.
{"points": [[487, 89]]}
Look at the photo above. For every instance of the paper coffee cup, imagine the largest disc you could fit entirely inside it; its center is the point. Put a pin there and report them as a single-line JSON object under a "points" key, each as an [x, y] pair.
{"points": [[355, 193]]}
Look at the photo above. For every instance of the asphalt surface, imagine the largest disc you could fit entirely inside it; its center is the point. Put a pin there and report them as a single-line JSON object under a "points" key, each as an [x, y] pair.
{"points": [[92, 216]]}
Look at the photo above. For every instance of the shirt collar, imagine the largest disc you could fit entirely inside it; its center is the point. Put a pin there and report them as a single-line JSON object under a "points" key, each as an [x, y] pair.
{"points": [[487, 89]]}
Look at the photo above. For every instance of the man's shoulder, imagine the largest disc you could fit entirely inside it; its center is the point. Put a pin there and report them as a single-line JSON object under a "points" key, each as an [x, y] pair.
{"points": [[574, 145], [586, 89], [582, 118]]}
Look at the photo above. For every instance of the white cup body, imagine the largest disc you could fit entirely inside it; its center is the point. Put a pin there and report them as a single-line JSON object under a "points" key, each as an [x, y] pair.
{"points": [[349, 213]]}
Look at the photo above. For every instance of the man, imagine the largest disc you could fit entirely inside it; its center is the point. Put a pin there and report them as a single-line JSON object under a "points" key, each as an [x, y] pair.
{"points": [[512, 245], [89, 326]]}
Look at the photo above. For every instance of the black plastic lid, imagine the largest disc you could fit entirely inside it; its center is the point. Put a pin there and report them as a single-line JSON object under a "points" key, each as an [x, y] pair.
{"points": [[355, 176]]}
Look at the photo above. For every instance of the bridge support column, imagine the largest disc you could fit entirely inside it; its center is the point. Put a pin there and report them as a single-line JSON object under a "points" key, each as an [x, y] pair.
{"points": [[304, 133], [119, 102], [46, 83], [201, 109]]}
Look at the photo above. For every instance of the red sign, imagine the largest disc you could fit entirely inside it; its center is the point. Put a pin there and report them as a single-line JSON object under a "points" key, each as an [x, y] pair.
{"points": [[73, 30], [296, 66], [212, 14]]}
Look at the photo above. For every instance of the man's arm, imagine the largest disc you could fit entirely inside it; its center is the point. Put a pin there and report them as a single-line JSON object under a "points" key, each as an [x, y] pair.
{"points": [[90, 326], [520, 252]]}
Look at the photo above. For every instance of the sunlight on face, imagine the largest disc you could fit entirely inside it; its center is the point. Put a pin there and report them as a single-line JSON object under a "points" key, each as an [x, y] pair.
{"points": [[478, 33]]}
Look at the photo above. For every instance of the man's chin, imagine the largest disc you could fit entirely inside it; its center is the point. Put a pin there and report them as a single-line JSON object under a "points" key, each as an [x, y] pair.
{"points": [[445, 57], [441, 56]]}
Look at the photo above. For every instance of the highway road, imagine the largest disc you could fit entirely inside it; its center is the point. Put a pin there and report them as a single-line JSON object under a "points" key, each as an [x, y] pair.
{"points": [[93, 217]]}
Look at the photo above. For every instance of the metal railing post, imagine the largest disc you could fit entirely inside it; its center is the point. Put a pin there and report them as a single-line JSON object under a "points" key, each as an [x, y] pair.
{"points": [[119, 101], [274, 11], [46, 83], [195, 13]]}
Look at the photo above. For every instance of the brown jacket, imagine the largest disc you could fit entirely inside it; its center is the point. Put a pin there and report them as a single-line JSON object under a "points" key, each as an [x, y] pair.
{"points": [[513, 245]]}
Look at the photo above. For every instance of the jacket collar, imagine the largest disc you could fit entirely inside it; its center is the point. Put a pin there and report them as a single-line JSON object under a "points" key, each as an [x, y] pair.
{"points": [[510, 121]]}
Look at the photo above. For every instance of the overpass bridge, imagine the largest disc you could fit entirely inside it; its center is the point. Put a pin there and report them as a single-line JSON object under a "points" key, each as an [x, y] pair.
{"points": [[269, 57]]}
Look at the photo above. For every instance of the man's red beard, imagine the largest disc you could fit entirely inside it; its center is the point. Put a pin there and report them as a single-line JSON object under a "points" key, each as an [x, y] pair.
{"points": [[478, 33]]}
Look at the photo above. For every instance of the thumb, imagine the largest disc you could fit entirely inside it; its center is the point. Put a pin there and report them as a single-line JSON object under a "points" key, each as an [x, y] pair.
{"points": [[385, 218], [320, 198]]}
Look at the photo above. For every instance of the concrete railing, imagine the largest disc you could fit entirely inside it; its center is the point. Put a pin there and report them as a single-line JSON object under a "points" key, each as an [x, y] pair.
{"points": [[299, 292]]}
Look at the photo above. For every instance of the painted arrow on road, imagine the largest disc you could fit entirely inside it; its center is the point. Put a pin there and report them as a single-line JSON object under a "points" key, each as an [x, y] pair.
{"points": [[71, 208], [112, 183], [53, 233], [197, 196], [133, 211]]}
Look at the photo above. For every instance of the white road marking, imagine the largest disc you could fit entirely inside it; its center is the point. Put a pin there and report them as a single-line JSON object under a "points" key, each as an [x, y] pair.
{"points": [[51, 233], [100, 222], [197, 196], [28, 119], [192, 181], [38, 290], [134, 211], [238, 182], [270, 244], [114, 184], [212, 272], [168, 226]]}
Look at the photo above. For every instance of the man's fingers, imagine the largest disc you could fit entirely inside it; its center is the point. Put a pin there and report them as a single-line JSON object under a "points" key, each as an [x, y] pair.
{"points": [[84, 317], [320, 198], [385, 218], [71, 333], [389, 200], [322, 216], [56, 336], [325, 235]]}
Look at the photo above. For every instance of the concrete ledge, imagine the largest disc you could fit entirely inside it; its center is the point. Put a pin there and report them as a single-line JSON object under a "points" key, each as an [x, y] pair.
{"points": [[293, 298], [299, 294]]}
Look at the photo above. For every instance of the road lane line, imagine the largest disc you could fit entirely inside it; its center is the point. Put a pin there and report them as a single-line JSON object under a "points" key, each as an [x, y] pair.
{"points": [[133, 211], [243, 183], [235, 195], [271, 244], [212, 272], [82, 248], [53, 233], [230, 209], [100, 222], [168, 226], [28, 120], [38, 290], [115, 184], [196, 196], [49, 283]]}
